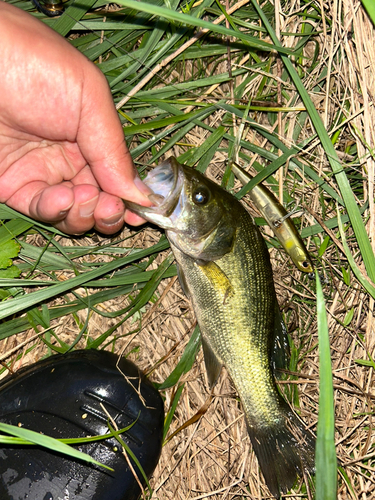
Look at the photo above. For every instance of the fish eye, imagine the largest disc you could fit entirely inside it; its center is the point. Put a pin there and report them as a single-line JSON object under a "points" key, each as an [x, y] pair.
{"points": [[201, 195]]}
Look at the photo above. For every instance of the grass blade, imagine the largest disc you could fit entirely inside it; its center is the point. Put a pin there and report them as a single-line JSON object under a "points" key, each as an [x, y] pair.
{"points": [[48, 442], [18, 304], [186, 361], [200, 23], [325, 460], [369, 287], [73, 13], [370, 7]]}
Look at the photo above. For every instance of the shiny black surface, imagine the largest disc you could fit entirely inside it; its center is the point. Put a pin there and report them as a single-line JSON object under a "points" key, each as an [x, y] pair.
{"points": [[51, 8], [62, 396]]}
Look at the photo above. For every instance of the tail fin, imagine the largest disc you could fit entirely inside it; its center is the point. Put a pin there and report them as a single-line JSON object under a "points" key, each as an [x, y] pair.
{"points": [[284, 451]]}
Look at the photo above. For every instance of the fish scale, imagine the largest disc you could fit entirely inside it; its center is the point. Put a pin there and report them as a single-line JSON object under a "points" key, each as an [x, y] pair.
{"points": [[238, 329]]}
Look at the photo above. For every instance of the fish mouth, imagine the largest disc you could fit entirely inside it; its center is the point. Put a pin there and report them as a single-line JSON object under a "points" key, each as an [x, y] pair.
{"points": [[166, 183]]}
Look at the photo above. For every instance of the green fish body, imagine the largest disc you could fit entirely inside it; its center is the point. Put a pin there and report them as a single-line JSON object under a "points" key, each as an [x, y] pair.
{"points": [[224, 268]]}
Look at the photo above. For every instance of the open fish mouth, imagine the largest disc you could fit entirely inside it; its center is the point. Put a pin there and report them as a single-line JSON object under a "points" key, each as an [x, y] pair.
{"points": [[162, 181], [166, 182]]}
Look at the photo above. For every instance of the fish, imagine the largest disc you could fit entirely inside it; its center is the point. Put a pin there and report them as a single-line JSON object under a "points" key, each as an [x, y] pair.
{"points": [[224, 268], [277, 218]]}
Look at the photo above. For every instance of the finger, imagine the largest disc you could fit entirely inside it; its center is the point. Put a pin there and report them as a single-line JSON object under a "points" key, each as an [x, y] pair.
{"points": [[84, 176], [43, 202], [109, 214], [73, 209], [52, 204], [109, 211], [104, 146], [80, 217], [133, 219]]}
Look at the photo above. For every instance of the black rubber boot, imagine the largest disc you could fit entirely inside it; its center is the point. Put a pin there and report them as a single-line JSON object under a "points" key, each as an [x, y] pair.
{"points": [[61, 397]]}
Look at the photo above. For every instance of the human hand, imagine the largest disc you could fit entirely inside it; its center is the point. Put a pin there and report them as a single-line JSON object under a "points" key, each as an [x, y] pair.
{"points": [[63, 158]]}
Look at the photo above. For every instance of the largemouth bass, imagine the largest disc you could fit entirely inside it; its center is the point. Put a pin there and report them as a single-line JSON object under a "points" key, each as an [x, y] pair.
{"points": [[277, 218], [224, 267]]}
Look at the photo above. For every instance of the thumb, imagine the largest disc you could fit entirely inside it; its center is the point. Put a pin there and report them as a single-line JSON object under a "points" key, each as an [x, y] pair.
{"points": [[102, 143]]}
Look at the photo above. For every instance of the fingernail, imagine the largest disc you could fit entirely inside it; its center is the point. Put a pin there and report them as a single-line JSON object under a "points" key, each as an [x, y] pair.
{"points": [[87, 209], [65, 210], [113, 219], [141, 186]]}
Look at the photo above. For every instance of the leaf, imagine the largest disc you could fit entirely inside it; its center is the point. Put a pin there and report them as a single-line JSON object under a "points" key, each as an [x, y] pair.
{"points": [[48, 442], [186, 361], [370, 7], [325, 459], [4, 294], [346, 275], [10, 273], [323, 246], [12, 228], [73, 13], [348, 317], [18, 304], [369, 287], [172, 409], [365, 362], [117, 436], [194, 21], [8, 251]]}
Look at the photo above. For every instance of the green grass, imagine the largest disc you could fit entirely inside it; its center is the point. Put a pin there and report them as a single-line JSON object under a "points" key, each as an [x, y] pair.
{"points": [[326, 462], [370, 7], [27, 437]]}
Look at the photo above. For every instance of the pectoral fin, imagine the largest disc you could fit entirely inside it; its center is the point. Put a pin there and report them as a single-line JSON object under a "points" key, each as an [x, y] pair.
{"points": [[213, 365], [182, 280], [218, 279]]}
